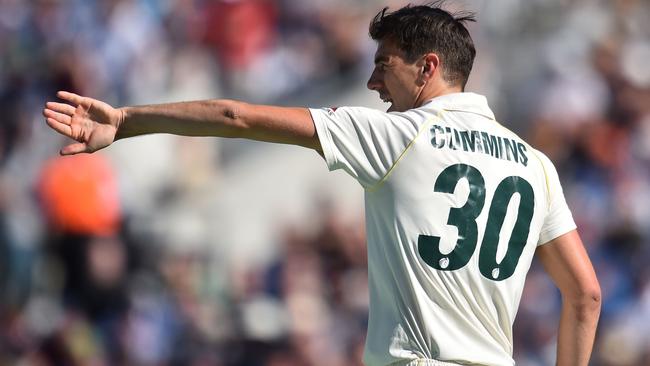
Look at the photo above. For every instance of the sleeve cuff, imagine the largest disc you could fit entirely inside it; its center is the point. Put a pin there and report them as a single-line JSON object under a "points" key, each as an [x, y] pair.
{"points": [[324, 136], [554, 232]]}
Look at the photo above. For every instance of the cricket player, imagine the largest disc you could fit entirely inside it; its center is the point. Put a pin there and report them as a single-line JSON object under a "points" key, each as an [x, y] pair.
{"points": [[456, 205]]}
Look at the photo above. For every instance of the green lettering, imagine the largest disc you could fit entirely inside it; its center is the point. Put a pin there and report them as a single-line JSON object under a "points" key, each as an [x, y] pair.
{"points": [[450, 138], [490, 145], [500, 153], [522, 154], [463, 218], [511, 150], [469, 140], [438, 143], [456, 139], [476, 140], [488, 253]]}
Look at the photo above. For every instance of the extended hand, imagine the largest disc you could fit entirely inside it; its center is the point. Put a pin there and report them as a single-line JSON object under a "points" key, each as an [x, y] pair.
{"points": [[92, 123]]}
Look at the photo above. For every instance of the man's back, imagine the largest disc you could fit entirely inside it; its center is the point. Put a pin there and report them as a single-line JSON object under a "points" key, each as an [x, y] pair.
{"points": [[453, 223]]}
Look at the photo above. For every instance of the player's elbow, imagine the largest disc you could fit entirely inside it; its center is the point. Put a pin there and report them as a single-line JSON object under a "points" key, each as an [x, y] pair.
{"points": [[231, 121], [586, 301], [591, 299]]}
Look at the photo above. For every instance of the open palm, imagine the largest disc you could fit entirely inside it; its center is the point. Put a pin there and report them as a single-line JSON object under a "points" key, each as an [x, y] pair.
{"points": [[91, 122]]}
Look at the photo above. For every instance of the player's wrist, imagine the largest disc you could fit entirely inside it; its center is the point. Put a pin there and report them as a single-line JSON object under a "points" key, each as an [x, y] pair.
{"points": [[122, 117]]}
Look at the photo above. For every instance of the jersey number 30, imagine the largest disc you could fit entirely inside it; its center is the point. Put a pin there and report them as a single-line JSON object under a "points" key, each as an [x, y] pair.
{"points": [[464, 218]]}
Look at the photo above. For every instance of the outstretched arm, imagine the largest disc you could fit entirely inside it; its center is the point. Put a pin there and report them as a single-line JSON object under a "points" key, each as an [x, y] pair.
{"points": [[566, 261], [95, 124]]}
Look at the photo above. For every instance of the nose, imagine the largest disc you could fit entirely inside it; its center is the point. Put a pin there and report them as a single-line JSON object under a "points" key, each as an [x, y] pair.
{"points": [[374, 83]]}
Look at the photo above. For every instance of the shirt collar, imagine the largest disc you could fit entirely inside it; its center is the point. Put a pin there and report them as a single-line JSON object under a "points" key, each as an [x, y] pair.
{"points": [[466, 102]]}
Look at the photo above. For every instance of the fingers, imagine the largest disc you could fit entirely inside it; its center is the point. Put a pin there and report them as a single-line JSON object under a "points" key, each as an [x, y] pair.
{"points": [[61, 108], [70, 97], [59, 127], [59, 117], [76, 148]]}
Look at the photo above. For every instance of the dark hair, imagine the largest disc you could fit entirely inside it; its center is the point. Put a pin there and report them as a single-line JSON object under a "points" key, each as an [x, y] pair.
{"points": [[420, 29]]}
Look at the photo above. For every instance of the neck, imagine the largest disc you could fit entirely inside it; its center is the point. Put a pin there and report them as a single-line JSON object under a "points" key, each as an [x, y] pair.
{"points": [[434, 90]]}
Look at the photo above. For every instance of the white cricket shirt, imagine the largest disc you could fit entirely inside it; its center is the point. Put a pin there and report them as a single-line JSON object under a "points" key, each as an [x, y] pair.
{"points": [[455, 206]]}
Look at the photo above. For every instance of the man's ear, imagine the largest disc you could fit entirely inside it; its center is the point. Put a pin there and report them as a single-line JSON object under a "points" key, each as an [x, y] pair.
{"points": [[430, 65]]}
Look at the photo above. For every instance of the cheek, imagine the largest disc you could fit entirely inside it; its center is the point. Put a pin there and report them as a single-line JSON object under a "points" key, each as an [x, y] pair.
{"points": [[406, 78], [401, 85], [396, 82]]}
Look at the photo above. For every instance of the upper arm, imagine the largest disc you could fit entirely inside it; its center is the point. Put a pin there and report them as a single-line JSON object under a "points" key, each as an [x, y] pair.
{"points": [[566, 261], [365, 142], [558, 219], [287, 125]]}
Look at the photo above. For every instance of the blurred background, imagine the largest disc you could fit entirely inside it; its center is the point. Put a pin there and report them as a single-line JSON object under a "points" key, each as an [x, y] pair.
{"points": [[163, 250]]}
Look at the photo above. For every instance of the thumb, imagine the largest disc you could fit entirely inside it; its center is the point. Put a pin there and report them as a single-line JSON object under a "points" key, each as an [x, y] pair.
{"points": [[76, 148]]}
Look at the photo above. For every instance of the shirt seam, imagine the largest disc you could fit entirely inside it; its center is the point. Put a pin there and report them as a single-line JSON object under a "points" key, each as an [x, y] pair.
{"points": [[548, 184], [423, 127]]}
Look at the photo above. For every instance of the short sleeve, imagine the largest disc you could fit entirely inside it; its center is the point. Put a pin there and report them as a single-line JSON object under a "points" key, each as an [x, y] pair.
{"points": [[558, 220], [364, 142]]}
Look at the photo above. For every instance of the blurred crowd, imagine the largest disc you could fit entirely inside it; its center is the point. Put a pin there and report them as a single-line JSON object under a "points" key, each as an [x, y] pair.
{"points": [[136, 256]]}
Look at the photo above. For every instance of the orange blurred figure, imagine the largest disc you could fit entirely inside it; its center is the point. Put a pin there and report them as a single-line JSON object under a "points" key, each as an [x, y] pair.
{"points": [[79, 195]]}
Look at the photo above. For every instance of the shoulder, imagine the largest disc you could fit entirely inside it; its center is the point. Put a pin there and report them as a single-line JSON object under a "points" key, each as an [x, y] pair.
{"points": [[363, 118], [547, 165]]}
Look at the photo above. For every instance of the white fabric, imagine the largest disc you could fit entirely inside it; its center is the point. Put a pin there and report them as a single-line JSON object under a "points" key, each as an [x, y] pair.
{"points": [[425, 362], [417, 311]]}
